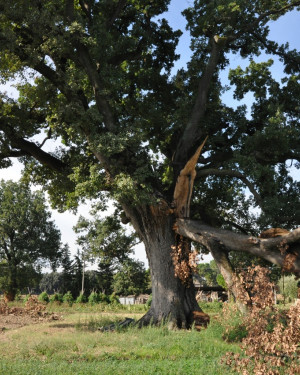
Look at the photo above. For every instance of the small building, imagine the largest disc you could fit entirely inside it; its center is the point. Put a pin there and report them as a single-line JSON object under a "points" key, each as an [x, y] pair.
{"points": [[209, 293], [128, 300], [141, 299], [134, 300]]}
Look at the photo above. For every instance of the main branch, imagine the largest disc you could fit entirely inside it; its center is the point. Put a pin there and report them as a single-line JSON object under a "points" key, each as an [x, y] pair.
{"points": [[283, 251]]}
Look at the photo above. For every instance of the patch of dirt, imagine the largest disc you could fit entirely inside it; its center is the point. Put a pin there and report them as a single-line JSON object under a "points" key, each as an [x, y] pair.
{"points": [[16, 317]]}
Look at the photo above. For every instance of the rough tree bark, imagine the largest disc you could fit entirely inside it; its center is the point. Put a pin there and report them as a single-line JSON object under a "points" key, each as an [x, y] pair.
{"points": [[172, 299]]}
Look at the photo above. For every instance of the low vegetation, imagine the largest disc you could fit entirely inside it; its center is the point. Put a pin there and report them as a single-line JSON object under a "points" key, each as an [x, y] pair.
{"points": [[266, 341], [74, 345]]}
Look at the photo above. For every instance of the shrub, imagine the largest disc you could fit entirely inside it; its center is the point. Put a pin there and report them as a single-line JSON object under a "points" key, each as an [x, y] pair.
{"points": [[43, 297], [103, 298], [149, 301], [214, 306], [236, 334], [94, 298], [221, 281], [68, 298], [57, 297], [114, 299], [81, 298], [26, 298]]}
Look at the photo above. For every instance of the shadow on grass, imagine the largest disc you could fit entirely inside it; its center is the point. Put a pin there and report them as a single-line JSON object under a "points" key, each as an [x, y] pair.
{"points": [[63, 325]]}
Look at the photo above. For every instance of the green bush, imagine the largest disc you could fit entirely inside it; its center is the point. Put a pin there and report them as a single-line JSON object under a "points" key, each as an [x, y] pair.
{"points": [[43, 297], [68, 298], [57, 297], [94, 298], [148, 303], [103, 298], [81, 298], [221, 281], [209, 307], [113, 298], [236, 334], [18, 297]]}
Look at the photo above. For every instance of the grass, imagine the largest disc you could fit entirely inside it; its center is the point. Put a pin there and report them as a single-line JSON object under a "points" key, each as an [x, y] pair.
{"points": [[74, 346]]}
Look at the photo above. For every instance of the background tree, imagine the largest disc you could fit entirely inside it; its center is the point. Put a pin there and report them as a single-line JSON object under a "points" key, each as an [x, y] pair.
{"points": [[208, 273], [101, 84], [131, 278], [105, 240], [77, 275], [28, 238], [67, 273], [50, 282], [105, 276]]}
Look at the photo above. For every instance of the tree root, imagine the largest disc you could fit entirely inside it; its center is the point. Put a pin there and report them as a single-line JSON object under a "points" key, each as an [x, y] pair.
{"points": [[112, 327]]}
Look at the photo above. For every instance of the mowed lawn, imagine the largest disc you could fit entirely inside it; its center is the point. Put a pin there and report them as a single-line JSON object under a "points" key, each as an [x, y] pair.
{"points": [[74, 345]]}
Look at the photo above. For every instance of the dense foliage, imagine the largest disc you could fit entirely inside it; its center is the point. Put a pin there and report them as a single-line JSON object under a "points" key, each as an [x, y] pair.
{"points": [[29, 238]]}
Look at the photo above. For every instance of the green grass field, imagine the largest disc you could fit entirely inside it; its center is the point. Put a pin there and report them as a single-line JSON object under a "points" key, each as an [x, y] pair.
{"points": [[74, 346]]}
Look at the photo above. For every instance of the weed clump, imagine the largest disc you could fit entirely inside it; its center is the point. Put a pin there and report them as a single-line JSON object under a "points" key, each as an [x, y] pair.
{"points": [[68, 298]]}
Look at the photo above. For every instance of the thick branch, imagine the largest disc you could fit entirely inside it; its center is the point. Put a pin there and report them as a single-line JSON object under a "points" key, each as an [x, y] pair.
{"points": [[274, 159], [192, 131], [43, 157], [268, 249], [92, 73], [13, 154]]}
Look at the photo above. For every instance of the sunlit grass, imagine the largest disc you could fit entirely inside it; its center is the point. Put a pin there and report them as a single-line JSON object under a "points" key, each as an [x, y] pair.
{"points": [[74, 346]]}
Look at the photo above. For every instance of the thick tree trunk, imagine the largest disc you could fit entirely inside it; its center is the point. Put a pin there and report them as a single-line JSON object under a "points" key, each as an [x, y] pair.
{"points": [[172, 300], [12, 287]]}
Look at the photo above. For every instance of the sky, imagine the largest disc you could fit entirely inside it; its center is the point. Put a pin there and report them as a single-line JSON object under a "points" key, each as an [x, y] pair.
{"points": [[283, 30]]}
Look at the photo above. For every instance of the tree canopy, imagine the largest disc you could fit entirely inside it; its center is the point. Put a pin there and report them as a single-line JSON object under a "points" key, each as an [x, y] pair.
{"points": [[29, 238], [96, 77]]}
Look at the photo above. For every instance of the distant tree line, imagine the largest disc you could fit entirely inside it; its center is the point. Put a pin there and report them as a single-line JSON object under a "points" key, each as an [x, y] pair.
{"points": [[130, 277]]}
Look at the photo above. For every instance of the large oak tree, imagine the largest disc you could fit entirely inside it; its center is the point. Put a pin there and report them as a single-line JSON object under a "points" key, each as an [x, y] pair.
{"points": [[99, 82]]}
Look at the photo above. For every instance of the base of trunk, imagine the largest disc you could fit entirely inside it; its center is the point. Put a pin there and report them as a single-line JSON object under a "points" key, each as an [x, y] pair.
{"points": [[179, 314], [198, 319]]}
